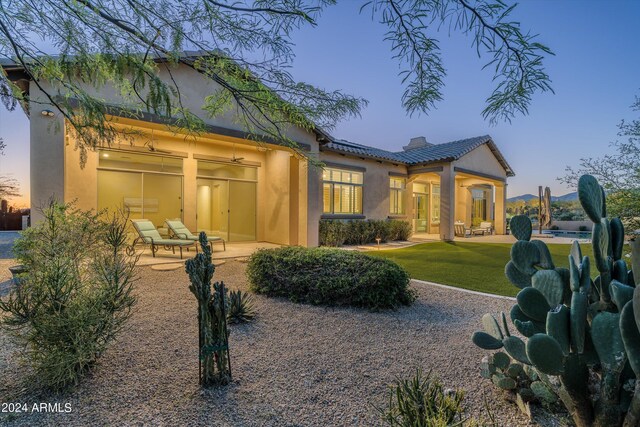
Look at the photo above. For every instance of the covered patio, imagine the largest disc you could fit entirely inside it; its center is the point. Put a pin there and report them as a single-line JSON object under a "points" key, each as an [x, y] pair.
{"points": [[233, 251], [450, 201]]}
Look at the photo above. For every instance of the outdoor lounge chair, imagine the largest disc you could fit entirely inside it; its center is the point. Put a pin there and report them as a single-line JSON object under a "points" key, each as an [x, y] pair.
{"points": [[180, 231], [148, 234], [486, 227], [461, 230]]}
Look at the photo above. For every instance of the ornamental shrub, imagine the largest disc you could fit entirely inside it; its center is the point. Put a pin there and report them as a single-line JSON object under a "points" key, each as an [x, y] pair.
{"points": [[329, 277], [76, 294], [360, 232]]}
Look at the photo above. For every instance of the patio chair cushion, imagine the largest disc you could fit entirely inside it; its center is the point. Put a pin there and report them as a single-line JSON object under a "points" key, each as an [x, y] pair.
{"points": [[150, 234], [181, 231]]}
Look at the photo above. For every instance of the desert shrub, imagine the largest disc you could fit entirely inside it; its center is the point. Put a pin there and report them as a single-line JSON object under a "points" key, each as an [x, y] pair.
{"points": [[583, 228], [400, 230], [239, 307], [332, 232], [329, 277], [554, 227], [360, 232], [422, 401], [76, 294]]}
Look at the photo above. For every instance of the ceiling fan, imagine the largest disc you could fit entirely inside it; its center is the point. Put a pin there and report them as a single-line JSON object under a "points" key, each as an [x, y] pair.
{"points": [[235, 159], [153, 149]]}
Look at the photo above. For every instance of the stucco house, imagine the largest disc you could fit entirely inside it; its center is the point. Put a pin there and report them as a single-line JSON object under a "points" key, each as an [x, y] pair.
{"points": [[226, 184]]}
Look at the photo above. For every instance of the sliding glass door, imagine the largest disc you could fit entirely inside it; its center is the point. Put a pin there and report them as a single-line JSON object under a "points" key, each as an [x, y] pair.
{"points": [[227, 209]]}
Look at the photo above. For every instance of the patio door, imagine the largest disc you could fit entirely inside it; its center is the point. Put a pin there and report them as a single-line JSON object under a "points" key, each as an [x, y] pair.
{"points": [[420, 212], [227, 209]]}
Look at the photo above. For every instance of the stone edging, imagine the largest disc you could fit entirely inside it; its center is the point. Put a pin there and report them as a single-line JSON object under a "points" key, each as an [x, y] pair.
{"points": [[453, 288]]}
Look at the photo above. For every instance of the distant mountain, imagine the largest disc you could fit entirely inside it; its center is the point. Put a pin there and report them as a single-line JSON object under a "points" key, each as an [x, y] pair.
{"points": [[566, 198], [525, 197]]}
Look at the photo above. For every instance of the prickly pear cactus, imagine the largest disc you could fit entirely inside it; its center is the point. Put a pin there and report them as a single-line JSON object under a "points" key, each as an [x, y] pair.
{"points": [[580, 324], [511, 371]]}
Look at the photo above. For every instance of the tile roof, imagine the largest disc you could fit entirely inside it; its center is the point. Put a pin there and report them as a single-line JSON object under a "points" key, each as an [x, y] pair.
{"points": [[430, 154]]}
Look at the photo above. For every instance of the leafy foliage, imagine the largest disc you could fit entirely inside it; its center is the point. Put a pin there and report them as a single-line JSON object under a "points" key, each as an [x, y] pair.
{"points": [[329, 277], [360, 232], [245, 48], [76, 294]]}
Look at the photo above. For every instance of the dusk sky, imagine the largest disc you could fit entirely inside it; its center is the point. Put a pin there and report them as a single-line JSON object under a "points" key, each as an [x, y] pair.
{"points": [[595, 74]]}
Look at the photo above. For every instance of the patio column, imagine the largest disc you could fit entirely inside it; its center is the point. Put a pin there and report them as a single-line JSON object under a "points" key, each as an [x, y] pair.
{"points": [[47, 153], [500, 208], [314, 202], [447, 202]]}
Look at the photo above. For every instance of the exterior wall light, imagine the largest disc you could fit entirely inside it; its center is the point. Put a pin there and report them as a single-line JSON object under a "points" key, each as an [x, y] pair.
{"points": [[47, 113]]}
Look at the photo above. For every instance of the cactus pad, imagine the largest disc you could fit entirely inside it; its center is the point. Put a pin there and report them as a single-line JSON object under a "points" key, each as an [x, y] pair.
{"points": [[600, 242], [517, 277], [545, 354], [578, 320], [591, 198], [605, 333], [550, 284], [621, 294], [501, 360], [576, 252], [620, 272], [558, 327], [514, 371], [503, 381], [543, 392], [617, 237], [533, 304], [486, 341], [525, 255], [630, 337], [487, 369], [520, 226], [546, 261], [490, 325], [516, 349]]}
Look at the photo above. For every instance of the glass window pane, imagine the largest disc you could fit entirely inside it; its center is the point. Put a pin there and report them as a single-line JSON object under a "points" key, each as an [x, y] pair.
{"points": [[135, 161], [162, 198], [120, 190], [419, 187], [358, 199], [221, 170], [326, 198]]}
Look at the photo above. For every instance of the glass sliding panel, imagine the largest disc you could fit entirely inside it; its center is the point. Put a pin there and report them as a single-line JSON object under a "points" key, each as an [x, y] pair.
{"points": [[242, 211], [222, 170], [162, 199], [135, 161], [212, 206], [120, 190]]}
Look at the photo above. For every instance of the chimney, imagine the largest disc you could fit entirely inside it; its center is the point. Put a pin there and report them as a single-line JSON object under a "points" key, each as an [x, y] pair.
{"points": [[417, 142]]}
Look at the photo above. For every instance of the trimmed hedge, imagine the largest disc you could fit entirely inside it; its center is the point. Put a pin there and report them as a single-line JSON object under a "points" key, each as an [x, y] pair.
{"points": [[359, 232], [329, 277]]}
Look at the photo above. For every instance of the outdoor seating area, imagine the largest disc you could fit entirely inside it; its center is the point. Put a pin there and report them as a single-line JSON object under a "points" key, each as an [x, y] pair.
{"points": [[484, 229], [179, 237]]}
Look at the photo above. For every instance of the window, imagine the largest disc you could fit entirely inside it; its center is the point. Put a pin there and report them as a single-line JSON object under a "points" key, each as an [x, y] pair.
{"points": [[397, 191], [435, 204], [341, 191]]}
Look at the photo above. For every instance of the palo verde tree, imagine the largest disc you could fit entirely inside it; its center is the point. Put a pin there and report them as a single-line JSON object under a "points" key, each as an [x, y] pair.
{"points": [[621, 181], [247, 46]]}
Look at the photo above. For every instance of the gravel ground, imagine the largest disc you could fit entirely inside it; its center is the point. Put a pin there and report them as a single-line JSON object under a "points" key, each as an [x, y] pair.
{"points": [[295, 365]]}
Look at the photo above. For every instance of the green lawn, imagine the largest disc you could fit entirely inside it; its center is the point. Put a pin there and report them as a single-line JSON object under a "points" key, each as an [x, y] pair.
{"points": [[475, 266]]}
